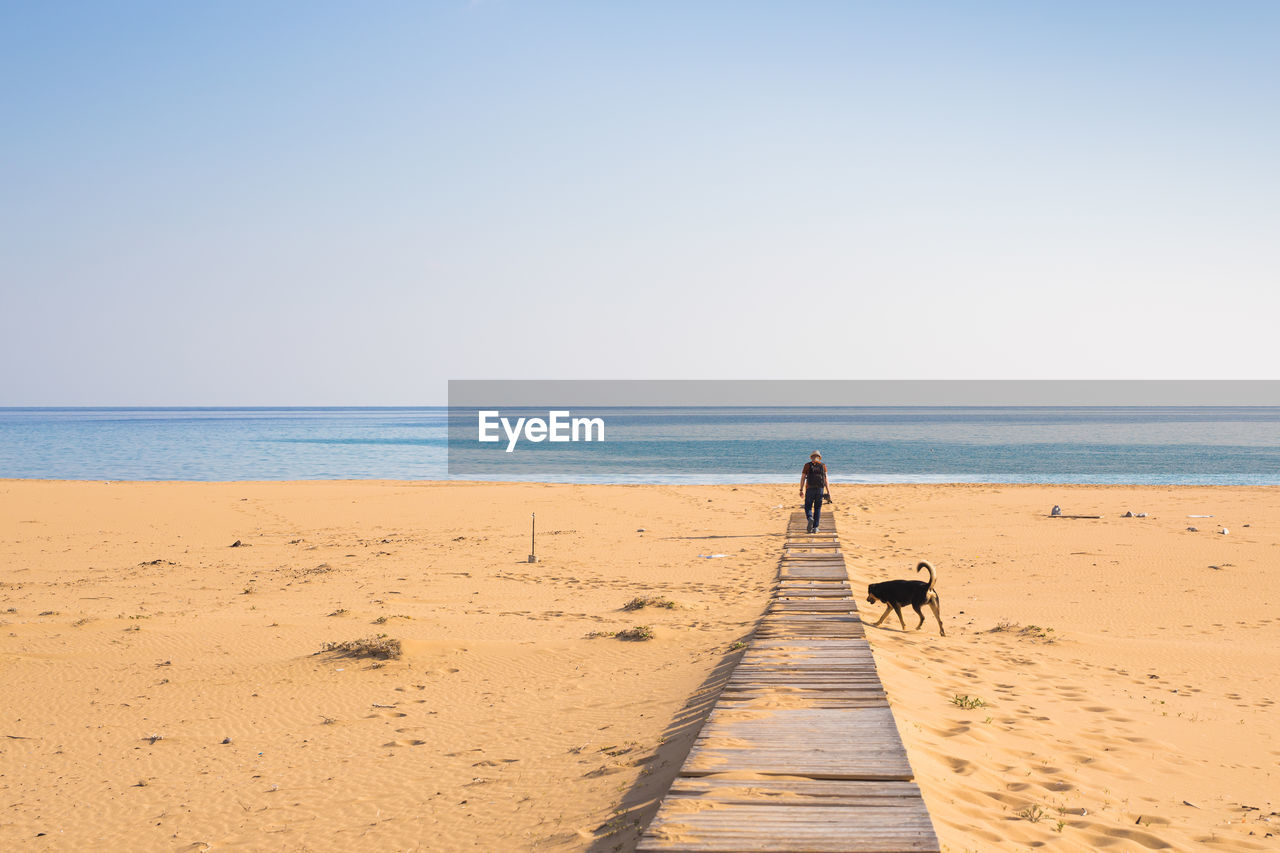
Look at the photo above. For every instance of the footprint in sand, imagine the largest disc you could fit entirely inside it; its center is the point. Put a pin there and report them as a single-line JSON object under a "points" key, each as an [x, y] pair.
{"points": [[1005, 799], [1104, 836]]}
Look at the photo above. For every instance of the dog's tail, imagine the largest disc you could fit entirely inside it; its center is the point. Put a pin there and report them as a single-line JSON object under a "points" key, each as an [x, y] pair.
{"points": [[925, 564]]}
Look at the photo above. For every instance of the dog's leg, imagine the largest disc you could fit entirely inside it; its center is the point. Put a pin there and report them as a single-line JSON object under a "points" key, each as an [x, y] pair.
{"points": [[898, 610], [883, 616], [920, 613], [935, 604]]}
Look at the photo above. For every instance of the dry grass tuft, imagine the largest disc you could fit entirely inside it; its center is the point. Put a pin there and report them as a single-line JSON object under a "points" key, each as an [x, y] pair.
{"points": [[381, 647], [640, 632], [1026, 632], [648, 601]]}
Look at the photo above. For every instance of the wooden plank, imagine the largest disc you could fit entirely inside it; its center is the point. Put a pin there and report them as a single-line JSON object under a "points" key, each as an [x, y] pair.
{"points": [[771, 696], [779, 807], [831, 678], [816, 646], [785, 618], [893, 827], [842, 584], [816, 649], [821, 743], [814, 572], [849, 671], [847, 675], [829, 691], [804, 663], [824, 556], [812, 605], [829, 555], [842, 676], [797, 602], [816, 561], [837, 703], [810, 629], [817, 594], [794, 585], [799, 791]]}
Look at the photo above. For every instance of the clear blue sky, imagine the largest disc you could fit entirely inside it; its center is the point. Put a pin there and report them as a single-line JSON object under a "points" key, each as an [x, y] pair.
{"points": [[319, 203]]}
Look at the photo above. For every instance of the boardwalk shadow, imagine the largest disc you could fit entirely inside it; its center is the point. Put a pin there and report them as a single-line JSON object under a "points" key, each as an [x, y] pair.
{"points": [[621, 833]]}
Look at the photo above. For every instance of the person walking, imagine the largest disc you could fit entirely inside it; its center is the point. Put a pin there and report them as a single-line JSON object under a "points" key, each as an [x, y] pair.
{"points": [[813, 485]]}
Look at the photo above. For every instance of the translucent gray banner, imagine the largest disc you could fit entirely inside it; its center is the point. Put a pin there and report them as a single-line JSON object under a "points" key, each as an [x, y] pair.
{"points": [[695, 431]]}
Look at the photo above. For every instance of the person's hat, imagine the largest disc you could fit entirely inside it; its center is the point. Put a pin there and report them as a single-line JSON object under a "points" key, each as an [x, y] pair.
{"points": [[815, 453]]}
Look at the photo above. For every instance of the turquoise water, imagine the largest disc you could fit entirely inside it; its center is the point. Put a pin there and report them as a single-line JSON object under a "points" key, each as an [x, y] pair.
{"points": [[699, 445]]}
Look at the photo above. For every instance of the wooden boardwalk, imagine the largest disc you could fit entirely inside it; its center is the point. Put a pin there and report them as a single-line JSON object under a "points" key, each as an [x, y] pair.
{"points": [[800, 753]]}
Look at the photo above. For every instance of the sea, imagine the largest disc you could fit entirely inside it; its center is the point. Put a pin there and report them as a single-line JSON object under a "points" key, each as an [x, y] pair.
{"points": [[1153, 445]]}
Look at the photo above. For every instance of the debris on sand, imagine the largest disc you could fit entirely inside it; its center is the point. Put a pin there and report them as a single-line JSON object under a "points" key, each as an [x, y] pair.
{"points": [[381, 647], [649, 601]]}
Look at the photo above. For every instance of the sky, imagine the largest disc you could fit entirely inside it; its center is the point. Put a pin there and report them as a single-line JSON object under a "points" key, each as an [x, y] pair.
{"points": [[352, 203]]}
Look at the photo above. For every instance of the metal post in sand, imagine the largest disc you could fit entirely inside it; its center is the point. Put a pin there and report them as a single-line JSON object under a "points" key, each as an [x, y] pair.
{"points": [[533, 536]]}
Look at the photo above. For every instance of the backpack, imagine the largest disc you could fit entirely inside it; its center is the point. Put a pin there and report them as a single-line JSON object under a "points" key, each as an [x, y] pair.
{"points": [[817, 476]]}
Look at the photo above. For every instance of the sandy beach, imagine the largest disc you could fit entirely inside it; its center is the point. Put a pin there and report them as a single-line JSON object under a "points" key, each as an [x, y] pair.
{"points": [[1104, 683]]}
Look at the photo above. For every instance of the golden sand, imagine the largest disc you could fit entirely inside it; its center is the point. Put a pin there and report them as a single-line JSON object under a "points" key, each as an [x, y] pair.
{"points": [[163, 691]]}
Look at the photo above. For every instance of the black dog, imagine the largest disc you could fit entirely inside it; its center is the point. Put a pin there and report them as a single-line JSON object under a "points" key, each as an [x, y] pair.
{"points": [[898, 594]]}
